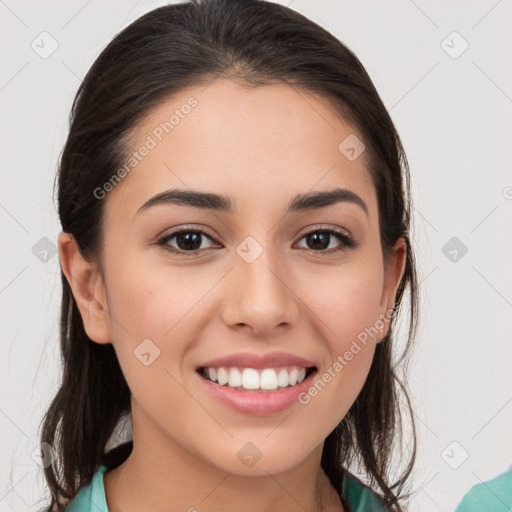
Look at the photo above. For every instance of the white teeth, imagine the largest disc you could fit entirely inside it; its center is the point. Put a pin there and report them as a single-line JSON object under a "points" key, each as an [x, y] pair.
{"points": [[235, 378], [250, 378], [282, 378], [222, 376], [292, 379], [268, 379]]}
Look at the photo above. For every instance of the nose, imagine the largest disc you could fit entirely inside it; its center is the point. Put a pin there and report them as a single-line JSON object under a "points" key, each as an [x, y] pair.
{"points": [[260, 297]]}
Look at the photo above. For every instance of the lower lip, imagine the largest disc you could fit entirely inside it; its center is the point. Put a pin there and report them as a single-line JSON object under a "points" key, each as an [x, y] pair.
{"points": [[257, 403]]}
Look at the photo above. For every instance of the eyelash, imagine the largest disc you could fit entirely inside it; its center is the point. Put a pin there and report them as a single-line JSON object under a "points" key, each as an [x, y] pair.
{"points": [[347, 242]]}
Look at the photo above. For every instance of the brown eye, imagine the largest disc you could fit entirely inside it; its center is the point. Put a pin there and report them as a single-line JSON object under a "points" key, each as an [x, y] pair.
{"points": [[320, 239], [186, 240]]}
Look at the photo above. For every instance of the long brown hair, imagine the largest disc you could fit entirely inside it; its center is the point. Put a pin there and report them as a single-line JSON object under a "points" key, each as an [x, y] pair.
{"points": [[169, 48]]}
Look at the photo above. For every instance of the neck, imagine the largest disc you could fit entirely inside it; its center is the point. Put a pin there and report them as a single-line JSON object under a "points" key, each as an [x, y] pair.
{"points": [[172, 478]]}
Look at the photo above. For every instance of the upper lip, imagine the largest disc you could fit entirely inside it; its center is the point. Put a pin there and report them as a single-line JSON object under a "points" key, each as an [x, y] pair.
{"points": [[248, 360]]}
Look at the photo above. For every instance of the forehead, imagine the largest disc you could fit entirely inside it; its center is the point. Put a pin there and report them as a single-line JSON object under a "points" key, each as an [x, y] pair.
{"points": [[261, 144]]}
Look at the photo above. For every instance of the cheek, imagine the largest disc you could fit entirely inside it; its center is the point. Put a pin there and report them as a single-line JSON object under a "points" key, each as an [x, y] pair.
{"points": [[347, 304], [157, 317], [149, 301], [153, 319], [346, 311]]}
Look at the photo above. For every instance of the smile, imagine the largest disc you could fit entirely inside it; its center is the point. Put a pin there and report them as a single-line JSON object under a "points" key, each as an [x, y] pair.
{"points": [[261, 379], [254, 399]]}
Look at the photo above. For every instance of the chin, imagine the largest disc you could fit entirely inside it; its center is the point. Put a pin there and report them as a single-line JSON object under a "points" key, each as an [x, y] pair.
{"points": [[249, 460]]}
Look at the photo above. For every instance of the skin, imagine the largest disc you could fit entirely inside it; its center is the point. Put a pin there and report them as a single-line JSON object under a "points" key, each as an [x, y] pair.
{"points": [[261, 146]]}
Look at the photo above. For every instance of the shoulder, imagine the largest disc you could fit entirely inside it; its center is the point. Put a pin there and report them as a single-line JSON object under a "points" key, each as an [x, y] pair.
{"points": [[92, 497], [495, 494], [360, 497]]}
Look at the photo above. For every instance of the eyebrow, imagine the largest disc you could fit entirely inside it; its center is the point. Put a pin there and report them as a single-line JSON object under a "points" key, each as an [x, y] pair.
{"points": [[215, 202]]}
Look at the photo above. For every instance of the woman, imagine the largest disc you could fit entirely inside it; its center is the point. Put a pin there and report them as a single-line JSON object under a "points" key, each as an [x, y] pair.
{"points": [[235, 208]]}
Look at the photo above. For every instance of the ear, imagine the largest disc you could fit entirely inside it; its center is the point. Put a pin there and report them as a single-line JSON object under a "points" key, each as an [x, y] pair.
{"points": [[88, 289], [393, 272]]}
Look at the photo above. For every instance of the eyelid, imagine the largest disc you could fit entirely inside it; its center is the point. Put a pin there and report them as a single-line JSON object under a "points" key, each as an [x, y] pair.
{"points": [[162, 239], [307, 231], [326, 227]]}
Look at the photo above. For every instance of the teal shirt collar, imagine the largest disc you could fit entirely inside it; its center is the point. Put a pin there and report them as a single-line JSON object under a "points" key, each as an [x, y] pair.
{"points": [[92, 497]]}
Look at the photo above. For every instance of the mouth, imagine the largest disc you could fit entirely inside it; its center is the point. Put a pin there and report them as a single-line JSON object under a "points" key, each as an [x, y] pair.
{"points": [[257, 380]]}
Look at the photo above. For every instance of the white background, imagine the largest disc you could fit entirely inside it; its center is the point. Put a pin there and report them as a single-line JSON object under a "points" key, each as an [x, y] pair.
{"points": [[453, 115]]}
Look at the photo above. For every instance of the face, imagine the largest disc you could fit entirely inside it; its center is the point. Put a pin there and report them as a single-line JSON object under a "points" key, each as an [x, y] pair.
{"points": [[183, 285]]}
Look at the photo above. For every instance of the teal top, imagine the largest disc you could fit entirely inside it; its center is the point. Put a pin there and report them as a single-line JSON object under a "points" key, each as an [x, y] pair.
{"points": [[492, 496], [92, 498]]}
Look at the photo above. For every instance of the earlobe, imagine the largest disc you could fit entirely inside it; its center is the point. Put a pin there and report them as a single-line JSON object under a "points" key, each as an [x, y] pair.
{"points": [[88, 289], [393, 274]]}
